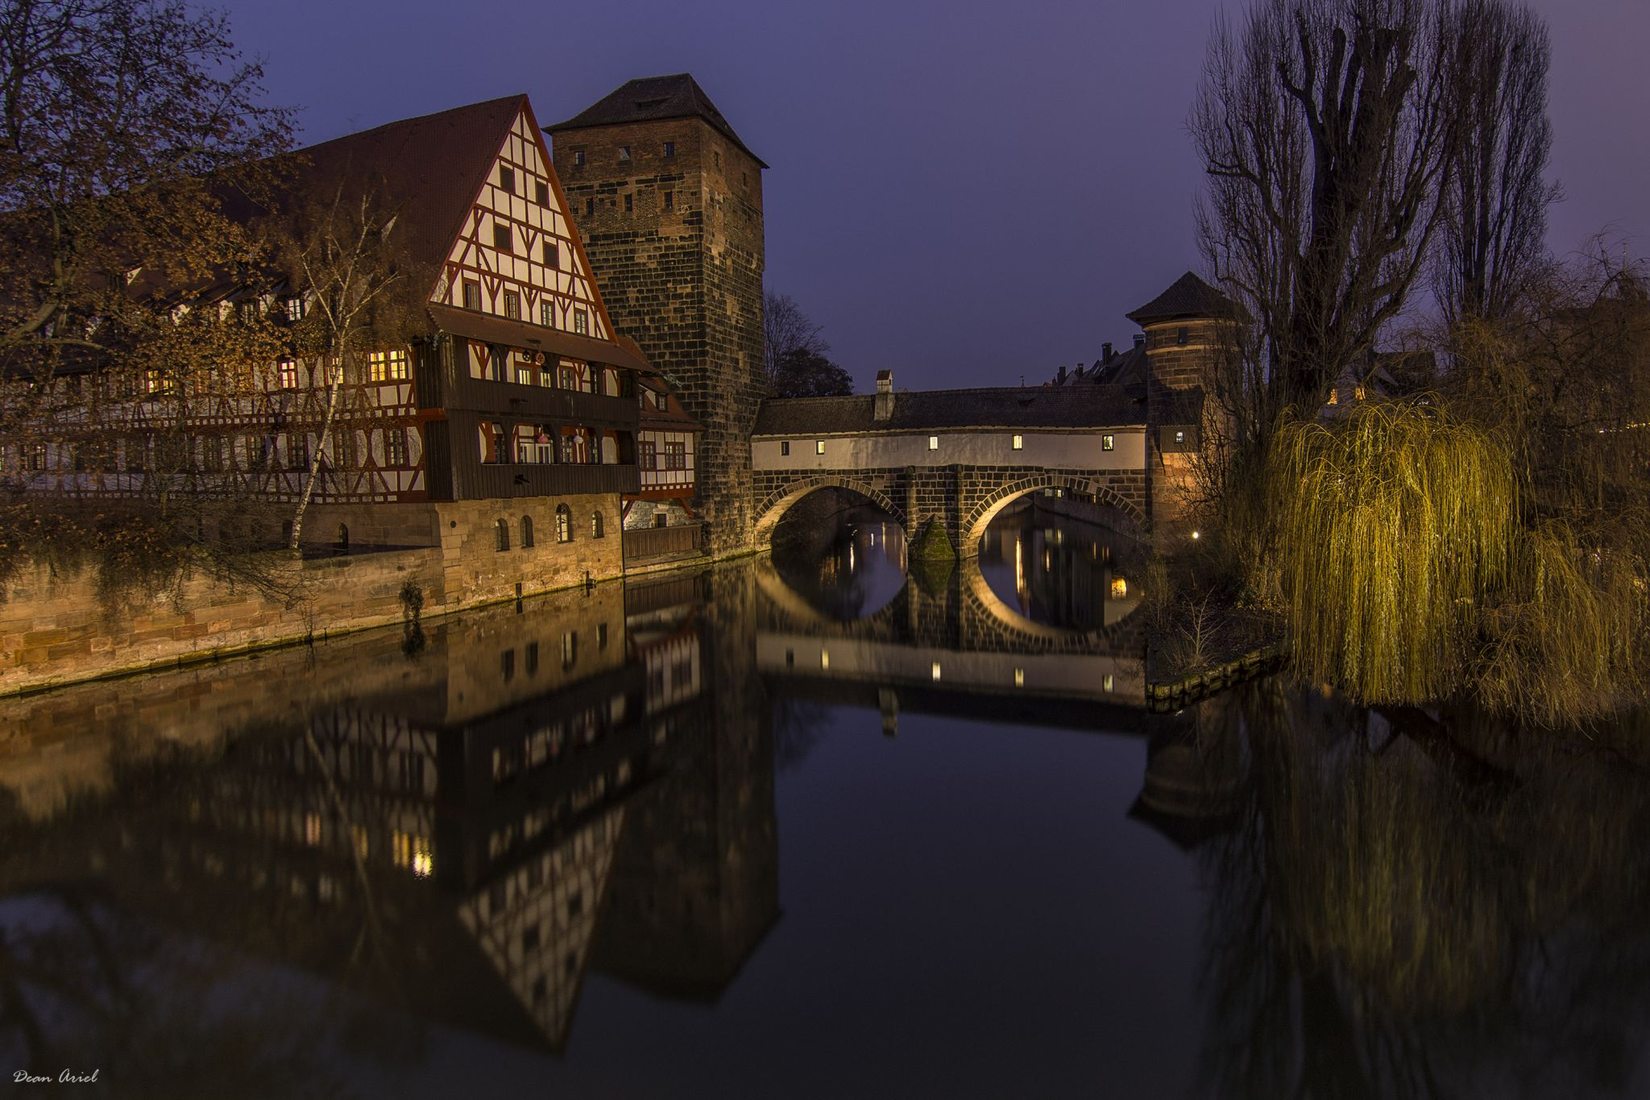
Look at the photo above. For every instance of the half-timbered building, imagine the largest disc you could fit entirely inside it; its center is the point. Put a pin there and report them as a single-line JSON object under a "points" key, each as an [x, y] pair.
{"points": [[500, 425]]}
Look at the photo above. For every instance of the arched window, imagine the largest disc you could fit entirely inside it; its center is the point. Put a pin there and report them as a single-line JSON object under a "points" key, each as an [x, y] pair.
{"points": [[526, 532], [503, 530], [596, 525], [564, 523]]}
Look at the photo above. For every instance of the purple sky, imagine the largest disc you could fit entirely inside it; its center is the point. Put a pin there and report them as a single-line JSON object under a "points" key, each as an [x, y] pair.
{"points": [[964, 193]]}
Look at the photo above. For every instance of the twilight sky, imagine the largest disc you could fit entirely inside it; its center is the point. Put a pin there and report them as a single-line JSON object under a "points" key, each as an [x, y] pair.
{"points": [[962, 192]]}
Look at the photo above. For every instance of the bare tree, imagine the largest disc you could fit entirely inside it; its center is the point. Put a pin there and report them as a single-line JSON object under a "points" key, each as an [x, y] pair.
{"points": [[1325, 132], [786, 331], [345, 257], [1491, 242]]}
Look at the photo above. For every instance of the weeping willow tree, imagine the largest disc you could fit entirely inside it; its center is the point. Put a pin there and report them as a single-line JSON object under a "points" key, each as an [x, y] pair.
{"points": [[1393, 527], [1414, 561]]}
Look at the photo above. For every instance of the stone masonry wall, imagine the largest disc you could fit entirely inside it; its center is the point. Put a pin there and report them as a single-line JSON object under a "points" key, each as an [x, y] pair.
{"points": [[685, 283], [54, 629], [954, 495]]}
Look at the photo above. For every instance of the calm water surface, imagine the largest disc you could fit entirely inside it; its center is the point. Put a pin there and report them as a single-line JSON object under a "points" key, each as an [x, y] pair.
{"points": [[800, 827]]}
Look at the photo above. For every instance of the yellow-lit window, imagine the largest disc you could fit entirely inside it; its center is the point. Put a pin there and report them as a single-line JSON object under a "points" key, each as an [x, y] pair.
{"points": [[1019, 442], [155, 381], [1119, 588], [286, 374], [1359, 393], [819, 446], [387, 366], [933, 443], [1334, 396]]}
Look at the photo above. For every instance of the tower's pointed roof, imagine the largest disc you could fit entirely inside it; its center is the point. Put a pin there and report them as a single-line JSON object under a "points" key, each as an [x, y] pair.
{"points": [[1188, 297], [652, 99]]}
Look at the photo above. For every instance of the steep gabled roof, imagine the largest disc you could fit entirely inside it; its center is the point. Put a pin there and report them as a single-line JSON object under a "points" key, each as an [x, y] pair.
{"points": [[652, 99], [429, 168], [1188, 297]]}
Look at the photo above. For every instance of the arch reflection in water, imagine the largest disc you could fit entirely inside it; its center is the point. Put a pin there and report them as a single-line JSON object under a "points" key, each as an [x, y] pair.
{"points": [[1053, 562], [842, 555]]}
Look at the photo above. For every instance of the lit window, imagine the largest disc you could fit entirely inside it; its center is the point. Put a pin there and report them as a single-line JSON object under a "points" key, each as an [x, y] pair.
{"points": [[295, 308], [598, 526], [387, 366], [670, 150], [1359, 393], [624, 153], [564, 523], [785, 447], [819, 446], [1119, 588], [507, 178], [512, 305], [286, 374], [154, 380], [547, 315], [1180, 437], [552, 254], [1019, 443], [1108, 443], [933, 443], [581, 322], [1334, 396], [502, 239]]}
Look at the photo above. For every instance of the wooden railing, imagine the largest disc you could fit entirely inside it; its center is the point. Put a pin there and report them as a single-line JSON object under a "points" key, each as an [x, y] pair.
{"points": [[651, 542]]}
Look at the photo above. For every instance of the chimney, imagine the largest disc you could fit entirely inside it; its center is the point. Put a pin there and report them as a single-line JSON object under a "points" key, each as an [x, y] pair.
{"points": [[1105, 352], [1140, 339], [1060, 378], [883, 407]]}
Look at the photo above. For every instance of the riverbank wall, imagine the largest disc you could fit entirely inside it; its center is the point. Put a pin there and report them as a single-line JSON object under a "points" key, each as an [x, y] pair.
{"points": [[57, 628]]}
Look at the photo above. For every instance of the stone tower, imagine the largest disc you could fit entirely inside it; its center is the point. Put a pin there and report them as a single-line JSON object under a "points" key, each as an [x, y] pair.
{"points": [[1188, 330], [668, 201]]}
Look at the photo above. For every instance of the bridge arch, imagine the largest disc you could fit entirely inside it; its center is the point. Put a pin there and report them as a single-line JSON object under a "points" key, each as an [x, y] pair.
{"points": [[773, 509], [981, 515]]}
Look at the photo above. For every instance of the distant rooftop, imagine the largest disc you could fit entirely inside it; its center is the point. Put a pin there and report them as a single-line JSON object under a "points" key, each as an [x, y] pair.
{"points": [[652, 99], [1188, 297]]}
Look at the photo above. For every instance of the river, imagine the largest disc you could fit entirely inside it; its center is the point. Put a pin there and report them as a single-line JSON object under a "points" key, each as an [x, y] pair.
{"points": [[810, 825]]}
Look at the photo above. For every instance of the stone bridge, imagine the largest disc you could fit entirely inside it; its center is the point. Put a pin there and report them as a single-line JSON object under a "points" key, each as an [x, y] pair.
{"points": [[953, 457]]}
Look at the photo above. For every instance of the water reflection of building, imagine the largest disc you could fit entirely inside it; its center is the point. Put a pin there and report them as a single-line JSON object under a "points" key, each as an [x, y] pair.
{"points": [[454, 840], [1063, 573]]}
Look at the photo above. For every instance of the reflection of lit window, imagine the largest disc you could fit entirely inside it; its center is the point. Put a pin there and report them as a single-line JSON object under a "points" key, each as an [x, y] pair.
{"points": [[1119, 588], [1108, 682], [934, 671], [1019, 677], [824, 658], [312, 828]]}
